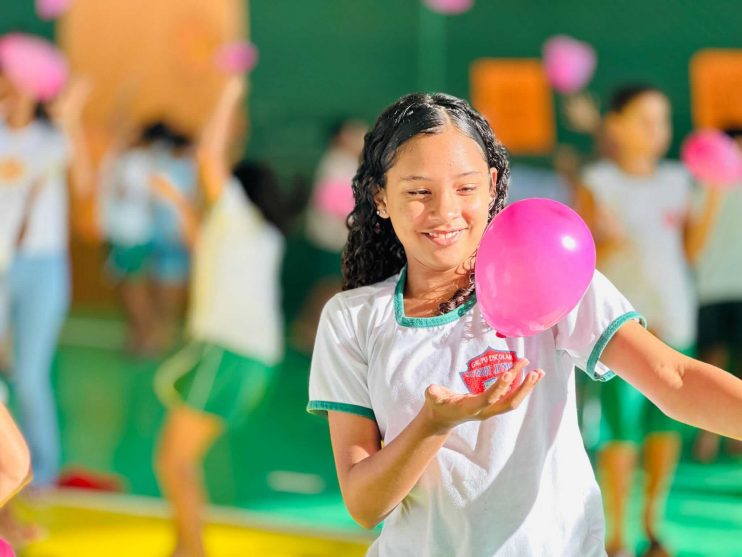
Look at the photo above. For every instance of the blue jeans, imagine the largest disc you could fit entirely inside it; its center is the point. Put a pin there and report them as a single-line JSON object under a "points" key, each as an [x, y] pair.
{"points": [[39, 292]]}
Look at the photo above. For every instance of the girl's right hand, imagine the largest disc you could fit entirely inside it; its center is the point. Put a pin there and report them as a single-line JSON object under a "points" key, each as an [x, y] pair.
{"points": [[445, 409]]}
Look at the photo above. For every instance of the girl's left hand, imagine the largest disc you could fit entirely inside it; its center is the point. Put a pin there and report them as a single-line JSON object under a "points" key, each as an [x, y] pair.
{"points": [[446, 408]]}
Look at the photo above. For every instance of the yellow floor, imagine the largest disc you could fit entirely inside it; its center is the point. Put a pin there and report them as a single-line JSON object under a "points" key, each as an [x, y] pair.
{"points": [[75, 531]]}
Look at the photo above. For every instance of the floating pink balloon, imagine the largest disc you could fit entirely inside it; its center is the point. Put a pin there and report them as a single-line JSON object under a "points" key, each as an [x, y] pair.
{"points": [[450, 7], [237, 58], [51, 9], [569, 63], [713, 158], [34, 65], [534, 263], [5, 549], [334, 197]]}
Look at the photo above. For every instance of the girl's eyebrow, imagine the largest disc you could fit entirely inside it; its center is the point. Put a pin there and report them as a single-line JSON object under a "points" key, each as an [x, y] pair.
{"points": [[416, 178]]}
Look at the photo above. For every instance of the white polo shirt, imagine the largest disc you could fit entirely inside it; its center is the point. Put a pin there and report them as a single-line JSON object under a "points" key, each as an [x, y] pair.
{"points": [[519, 484]]}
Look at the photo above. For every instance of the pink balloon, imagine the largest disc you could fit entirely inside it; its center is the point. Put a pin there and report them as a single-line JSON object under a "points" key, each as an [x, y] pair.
{"points": [[51, 9], [237, 58], [5, 549], [334, 197], [450, 7], [713, 158], [534, 263], [34, 65], [569, 63]]}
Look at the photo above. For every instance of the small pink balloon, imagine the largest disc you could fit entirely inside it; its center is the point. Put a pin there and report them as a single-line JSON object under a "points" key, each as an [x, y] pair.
{"points": [[51, 9], [569, 63], [534, 263], [34, 65], [237, 58], [449, 7], [334, 197], [5, 549], [713, 158]]}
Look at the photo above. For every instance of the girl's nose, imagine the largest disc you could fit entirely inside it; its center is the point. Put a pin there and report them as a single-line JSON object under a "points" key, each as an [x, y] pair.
{"points": [[445, 205]]}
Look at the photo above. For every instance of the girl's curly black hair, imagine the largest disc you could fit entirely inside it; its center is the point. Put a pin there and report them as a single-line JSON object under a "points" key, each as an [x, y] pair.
{"points": [[373, 251]]}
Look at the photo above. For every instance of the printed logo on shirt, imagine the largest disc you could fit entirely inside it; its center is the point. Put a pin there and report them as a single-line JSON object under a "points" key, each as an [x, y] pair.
{"points": [[11, 170], [484, 370]]}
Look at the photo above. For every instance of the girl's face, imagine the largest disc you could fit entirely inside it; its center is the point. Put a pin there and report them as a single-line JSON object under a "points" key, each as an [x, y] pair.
{"points": [[437, 195], [643, 127]]}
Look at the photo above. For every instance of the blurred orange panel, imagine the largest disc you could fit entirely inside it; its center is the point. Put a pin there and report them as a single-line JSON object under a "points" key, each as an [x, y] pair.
{"points": [[151, 59], [716, 88], [145, 60], [515, 97]]}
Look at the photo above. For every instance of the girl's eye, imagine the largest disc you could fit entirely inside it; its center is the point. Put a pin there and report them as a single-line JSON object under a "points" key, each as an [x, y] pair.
{"points": [[468, 188], [418, 193]]}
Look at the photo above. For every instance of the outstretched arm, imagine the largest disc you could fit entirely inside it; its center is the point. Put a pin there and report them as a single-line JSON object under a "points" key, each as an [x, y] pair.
{"points": [[698, 228], [67, 114], [189, 218], [685, 389], [213, 145]]}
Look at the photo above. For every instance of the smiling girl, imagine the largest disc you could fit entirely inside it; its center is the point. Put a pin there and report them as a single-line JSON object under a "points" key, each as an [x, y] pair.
{"points": [[438, 427]]}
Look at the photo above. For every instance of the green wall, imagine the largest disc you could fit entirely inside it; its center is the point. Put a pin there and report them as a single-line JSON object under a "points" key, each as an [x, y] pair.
{"points": [[324, 59]]}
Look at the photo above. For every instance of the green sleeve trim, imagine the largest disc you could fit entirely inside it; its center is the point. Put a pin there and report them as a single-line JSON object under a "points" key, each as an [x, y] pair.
{"points": [[425, 322], [603, 342], [320, 408]]}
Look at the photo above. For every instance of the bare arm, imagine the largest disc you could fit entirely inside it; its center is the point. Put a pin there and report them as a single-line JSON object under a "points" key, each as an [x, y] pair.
{"points": [[697, 230], [213, 145], [374, 480], [603, 225], [15, 466], [189, 218], [67, 113], [685, 389]]}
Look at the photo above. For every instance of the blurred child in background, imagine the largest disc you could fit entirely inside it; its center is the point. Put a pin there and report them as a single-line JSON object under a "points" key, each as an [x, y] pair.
{"points": [[36, 152], [719, 285], [639, 208], [235, 326], [326, 229], [149, 257], [171, 261], [128, 227]]}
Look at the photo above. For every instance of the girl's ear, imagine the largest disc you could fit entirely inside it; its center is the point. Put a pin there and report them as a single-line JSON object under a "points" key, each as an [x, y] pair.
{"points": [[493, 184], [380, 202]]}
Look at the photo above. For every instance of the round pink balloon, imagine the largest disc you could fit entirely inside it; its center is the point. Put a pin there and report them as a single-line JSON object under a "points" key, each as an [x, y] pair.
{"points": [[449, 7], [713, 158], [51, 9], [334, 197], [569, 63], [5, 549], [237, 58], [534, 263], [34, 65]]}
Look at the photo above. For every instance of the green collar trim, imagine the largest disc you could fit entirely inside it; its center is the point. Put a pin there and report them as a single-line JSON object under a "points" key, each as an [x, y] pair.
{"points": [[603, 342], [423, 322]]}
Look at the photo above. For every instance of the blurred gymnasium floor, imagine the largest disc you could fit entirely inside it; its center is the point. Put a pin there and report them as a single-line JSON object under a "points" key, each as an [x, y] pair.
{"points": [[272, 481]]}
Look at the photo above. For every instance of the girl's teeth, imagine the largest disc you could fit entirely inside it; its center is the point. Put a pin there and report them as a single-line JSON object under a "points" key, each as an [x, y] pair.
{"points": [[446, 235]]}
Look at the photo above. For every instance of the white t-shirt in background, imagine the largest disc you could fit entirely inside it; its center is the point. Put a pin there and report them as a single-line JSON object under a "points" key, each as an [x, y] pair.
{"points": [[651, 269], [519, 484], [235, 297], [326, 231], [127, 200], [719, 267], [22, 164], [47, 232]]}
